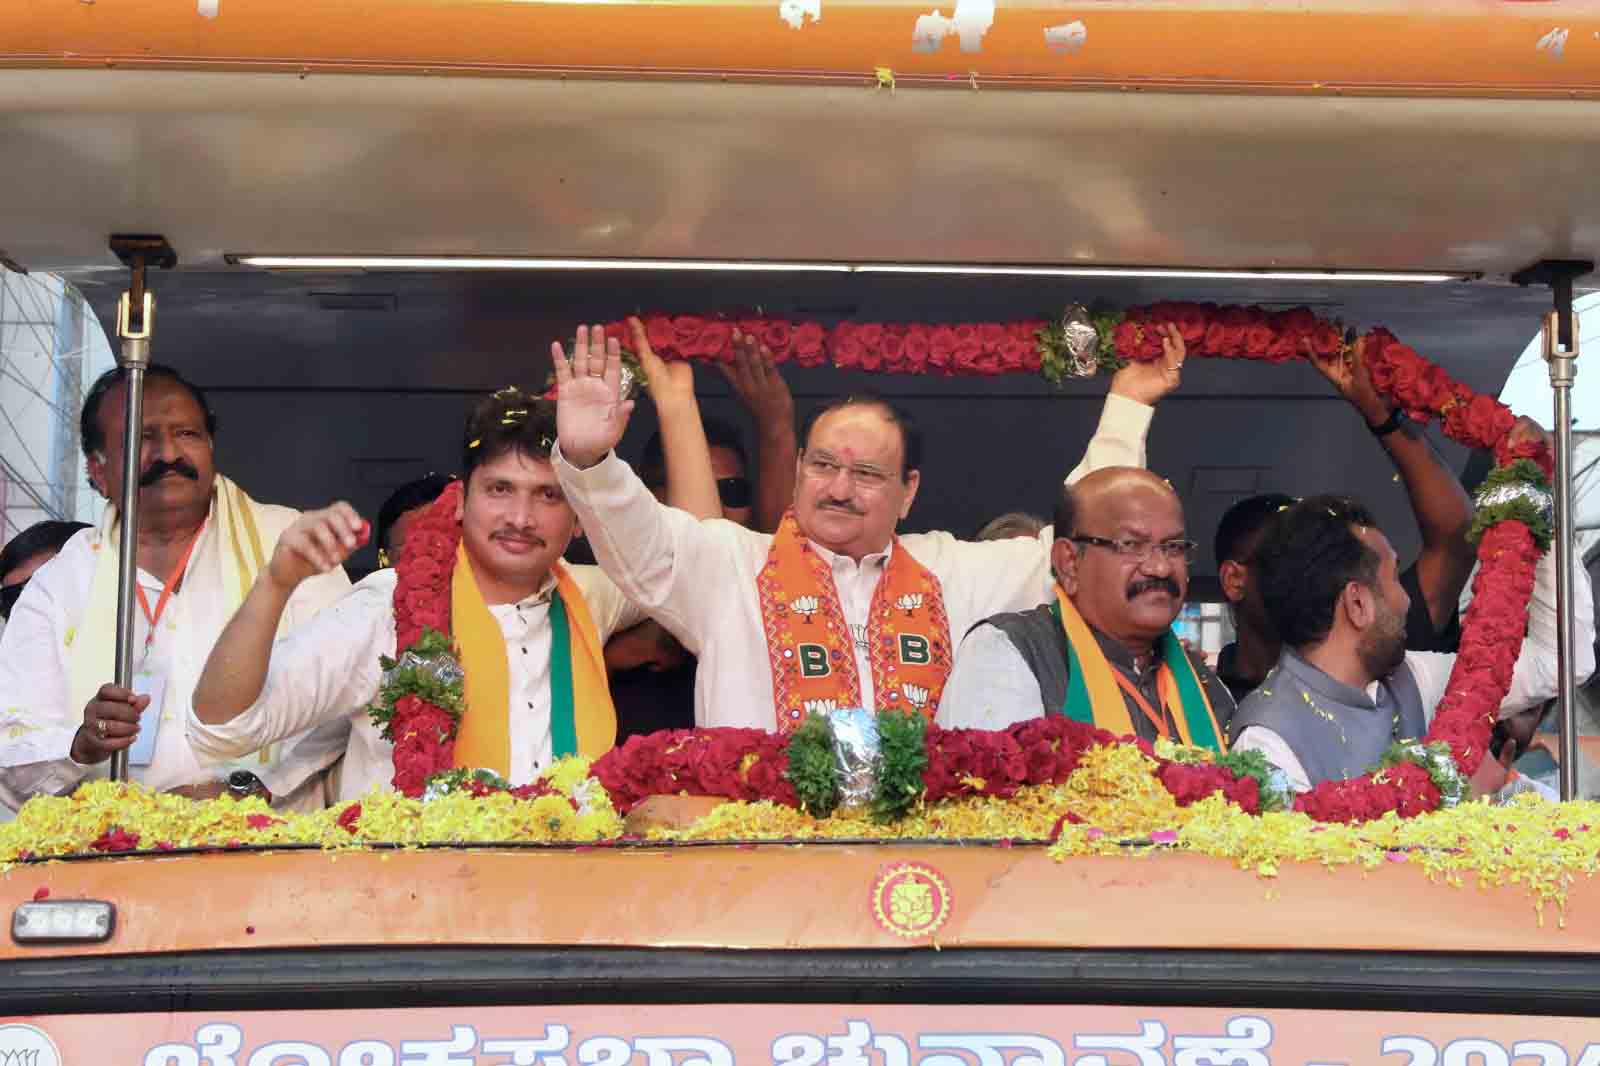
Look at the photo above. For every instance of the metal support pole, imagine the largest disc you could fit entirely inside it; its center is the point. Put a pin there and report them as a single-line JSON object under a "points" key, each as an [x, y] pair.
{"points": [[1561, 352], [135, 316]]}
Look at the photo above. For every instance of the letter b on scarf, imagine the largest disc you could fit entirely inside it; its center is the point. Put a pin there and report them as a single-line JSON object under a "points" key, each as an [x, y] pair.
{"points": [[814, 661]]}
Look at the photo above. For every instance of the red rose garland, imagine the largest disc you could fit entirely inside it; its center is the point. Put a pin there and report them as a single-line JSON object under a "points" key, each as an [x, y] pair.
{"points": [[423, 732], [1495, 623]]}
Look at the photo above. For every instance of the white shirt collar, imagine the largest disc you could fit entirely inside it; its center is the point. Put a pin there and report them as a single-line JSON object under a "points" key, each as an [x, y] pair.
{"points": [[875, 559]]}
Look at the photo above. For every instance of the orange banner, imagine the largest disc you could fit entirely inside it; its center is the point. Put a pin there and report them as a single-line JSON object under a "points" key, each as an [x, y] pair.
{"points": [[789, 1035]]}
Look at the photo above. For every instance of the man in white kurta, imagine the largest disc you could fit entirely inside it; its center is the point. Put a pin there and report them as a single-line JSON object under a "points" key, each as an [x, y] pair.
{"points": [[325, 676], [856, 480], [60, 644]]}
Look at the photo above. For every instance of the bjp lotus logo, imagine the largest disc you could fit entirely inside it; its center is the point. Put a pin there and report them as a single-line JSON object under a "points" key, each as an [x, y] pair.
{"points": [[911, 900], [26, 1045], [915, 695], [909, 603], [804, 606], [821, 706]]}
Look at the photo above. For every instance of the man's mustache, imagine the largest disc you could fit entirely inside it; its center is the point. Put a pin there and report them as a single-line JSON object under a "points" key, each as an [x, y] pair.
{"points": [[1139, 588], [842, 505], [160, 469], [518, 534]]}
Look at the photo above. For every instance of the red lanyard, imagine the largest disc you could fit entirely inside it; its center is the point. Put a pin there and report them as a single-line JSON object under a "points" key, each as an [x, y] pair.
{"points": [[1159, 721], [166, 591]]}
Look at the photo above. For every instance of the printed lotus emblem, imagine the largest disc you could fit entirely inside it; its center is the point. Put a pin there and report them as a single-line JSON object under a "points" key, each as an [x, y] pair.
{"points": [[804, 606], [909, 603], [915, 695], [821, 706]]}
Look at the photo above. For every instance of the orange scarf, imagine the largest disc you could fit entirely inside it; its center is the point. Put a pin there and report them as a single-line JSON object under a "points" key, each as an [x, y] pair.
{"points": [[810, 646]]}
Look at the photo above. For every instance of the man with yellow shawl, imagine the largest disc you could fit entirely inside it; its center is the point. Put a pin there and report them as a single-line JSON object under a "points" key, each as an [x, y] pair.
{"points": [[481, 567], [1103, 652], [201, 541]]}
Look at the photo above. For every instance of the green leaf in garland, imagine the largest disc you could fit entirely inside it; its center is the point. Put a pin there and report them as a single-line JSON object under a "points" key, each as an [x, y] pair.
{"points": [[811, 766], [1105, 324], [902, 757], [1254, 764]]}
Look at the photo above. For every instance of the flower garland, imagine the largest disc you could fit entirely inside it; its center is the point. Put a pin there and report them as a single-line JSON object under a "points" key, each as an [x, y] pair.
{"points": [[420, 702], [1510, 529]]}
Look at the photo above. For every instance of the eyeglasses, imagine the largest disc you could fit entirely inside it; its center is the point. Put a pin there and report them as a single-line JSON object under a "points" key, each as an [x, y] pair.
{"points": [[734, 491], [9, 595], [823, 467], [1137, 549]]}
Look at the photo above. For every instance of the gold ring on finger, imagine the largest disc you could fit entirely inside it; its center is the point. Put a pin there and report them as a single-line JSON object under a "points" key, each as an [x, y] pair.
{"points": [[100, 726]]}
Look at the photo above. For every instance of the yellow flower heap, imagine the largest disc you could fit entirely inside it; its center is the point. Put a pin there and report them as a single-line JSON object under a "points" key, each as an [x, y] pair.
{"points": [[1112, 804]]}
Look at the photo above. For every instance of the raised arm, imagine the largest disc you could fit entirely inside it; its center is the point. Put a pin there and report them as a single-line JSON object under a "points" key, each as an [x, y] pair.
{"points": [[1442, 507], [1119, 439], [755, 379], [236, 669], [691, 481]]}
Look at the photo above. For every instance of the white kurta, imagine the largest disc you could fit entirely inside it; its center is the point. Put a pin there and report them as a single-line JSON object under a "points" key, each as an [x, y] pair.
{"points": [[325, 675], [1532, 682], [698, 578], [36, 723]]}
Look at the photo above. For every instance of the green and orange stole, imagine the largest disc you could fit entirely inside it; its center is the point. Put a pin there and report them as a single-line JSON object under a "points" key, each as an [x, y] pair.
{"points": [[583, 720], [1095, 690], [810, 645]]}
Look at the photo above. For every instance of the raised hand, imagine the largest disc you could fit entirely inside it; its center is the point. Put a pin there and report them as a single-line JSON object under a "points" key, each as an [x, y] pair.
{"points": [[754, 376], [316, 543], [110, 723], [671, 384], [1148, 382], [1348, 374], [590, 411]]}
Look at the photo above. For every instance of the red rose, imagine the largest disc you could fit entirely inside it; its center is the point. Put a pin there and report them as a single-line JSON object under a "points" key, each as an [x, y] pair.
{"points": [[993, 334], [1013, 353], [967, 333], [1298, 321], [662, 337], [350, 817], [1284, 347], [1258, 339], [686, 331], [872, 357], [917, 348], [967, 357], [1326, 340], [1215, 341], [1127, 338], [776, 334], [870, 334], [807, 340], [1193, 321], [716, 342], [893, 347], [941, 347], [847, 352]]}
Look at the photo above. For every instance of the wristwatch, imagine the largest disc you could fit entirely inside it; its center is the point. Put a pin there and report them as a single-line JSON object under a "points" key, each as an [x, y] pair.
{"points": [[243, 784], [1396, 419]]}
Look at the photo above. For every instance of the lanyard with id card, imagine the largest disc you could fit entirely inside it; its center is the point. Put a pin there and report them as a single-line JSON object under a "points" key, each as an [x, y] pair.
{"points": [[143, 750]]}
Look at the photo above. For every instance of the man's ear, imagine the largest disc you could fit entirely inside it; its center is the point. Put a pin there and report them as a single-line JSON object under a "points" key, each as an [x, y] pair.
{"points": [[95, 467], [461, 503], [1233, 577], [1064, 564], [913, 480], [1359, 605]]}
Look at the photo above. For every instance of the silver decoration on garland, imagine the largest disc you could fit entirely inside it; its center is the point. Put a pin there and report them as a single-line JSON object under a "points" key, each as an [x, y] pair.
{"points": [[442, 668], [1080, 342], [1542, 500], [855, 755]]}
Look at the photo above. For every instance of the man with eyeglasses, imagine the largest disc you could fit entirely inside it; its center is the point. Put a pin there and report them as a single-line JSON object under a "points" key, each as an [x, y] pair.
{"points": [[1103, 651], [834, 610], [1345, 687]]}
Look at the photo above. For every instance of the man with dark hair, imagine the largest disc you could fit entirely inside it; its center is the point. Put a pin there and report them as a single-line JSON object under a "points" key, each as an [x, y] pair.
{"points": [[1441, 506], [201, 541], [403, 505], [1345, 687], [832, 611], [26, 553], [1103, 650], [528, 627]]}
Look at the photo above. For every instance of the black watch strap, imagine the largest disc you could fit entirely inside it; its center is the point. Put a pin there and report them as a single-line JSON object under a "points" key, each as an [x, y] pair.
{"points": [[1396, 419]]}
